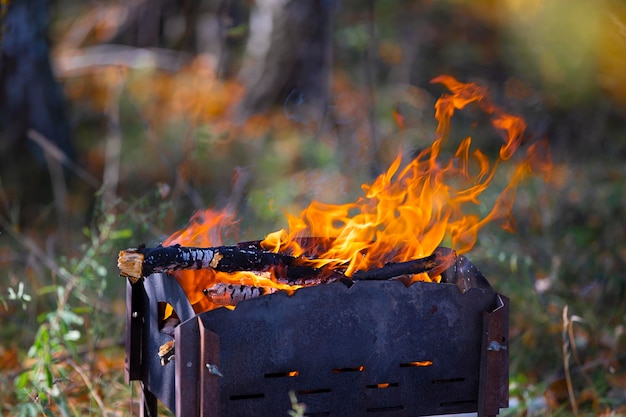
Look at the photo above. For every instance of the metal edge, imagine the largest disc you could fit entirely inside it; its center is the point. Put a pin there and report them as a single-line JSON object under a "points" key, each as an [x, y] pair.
{"points": [[187, 365], [135, 294], [494, 362]]}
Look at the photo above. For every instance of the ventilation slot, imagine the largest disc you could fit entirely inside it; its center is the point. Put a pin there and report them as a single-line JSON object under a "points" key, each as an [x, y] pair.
{"points": [[448, 380], [416, 364], [246, 397], [449, 403], [314, 391], [384, 409], [383, 385], [168, 319], [288, 374], [349, 369]]}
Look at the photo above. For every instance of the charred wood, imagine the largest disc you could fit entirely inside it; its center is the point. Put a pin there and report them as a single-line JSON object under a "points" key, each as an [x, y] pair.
{"points": [[230, 294], [460, 271], [141, 262], [395, 269]]}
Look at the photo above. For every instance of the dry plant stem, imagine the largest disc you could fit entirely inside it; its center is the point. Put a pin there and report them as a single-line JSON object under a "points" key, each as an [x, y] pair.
{"points": [[566, 355], [32, 247], [90, 386], [59, 189], [57, 154], [371, 53], [582, 368], [113, 148], [53, 151]]}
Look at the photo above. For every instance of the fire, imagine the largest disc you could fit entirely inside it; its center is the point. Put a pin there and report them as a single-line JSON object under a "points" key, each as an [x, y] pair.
{"points": [[405, 214], [207, 228]]}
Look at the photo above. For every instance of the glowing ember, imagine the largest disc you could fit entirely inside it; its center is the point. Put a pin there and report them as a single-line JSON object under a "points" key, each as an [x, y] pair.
{"points": [[403, 215]]}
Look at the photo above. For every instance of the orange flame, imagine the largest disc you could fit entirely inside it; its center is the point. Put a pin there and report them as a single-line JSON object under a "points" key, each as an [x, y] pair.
{"points": [[407, 211], [207, 229]]}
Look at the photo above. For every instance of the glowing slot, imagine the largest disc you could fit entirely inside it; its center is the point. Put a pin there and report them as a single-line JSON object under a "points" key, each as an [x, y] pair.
{"points": [[448, 380], [416, 364], [384, 409], [354, 369], [383, 385], [246, 397], [289, 374], [314, 391]]}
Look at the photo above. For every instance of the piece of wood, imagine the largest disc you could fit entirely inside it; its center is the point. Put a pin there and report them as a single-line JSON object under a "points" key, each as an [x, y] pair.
{"points": [[140, 262], [395, 269], [230, 294], [166, 352]]}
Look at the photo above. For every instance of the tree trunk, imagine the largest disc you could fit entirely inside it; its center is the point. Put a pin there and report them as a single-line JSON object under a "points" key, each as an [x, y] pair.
{"points": [[30, 97], [287, 58]]}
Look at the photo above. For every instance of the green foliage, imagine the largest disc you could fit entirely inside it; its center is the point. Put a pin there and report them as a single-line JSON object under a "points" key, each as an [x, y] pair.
{"points": [[567, 329], [53, 380]]}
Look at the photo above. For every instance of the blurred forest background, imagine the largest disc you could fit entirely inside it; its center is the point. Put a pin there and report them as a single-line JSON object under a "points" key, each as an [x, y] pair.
{"points": [[119, 119]]}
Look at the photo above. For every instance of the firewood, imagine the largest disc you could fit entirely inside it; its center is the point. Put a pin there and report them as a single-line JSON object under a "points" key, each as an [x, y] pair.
{"points": [[395, 269], [141, 262], [231, 294], [166, 352]]}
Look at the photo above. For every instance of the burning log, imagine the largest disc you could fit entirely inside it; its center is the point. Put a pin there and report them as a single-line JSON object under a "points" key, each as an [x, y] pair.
{"points": [[141, 262], [395, 269], [230, 294]]}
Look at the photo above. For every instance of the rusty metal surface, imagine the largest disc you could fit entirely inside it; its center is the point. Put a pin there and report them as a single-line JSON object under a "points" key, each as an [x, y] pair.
{"points": [[494, 372], [142, 351], [210, 374], [343, 351], [187, 365], [353, 351]]}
